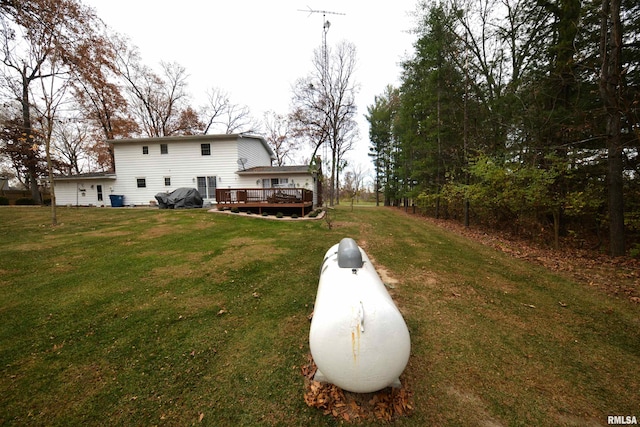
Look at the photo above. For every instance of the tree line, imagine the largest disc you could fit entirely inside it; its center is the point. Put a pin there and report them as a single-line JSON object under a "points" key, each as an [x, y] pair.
{"points": [[521, 115], [68, 84]]}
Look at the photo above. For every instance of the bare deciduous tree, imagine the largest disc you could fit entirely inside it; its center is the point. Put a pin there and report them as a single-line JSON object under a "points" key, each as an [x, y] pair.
{"points": [[220, 114], [72, 143], [158, 101], [52, 93], [324, 108], [353, 183], [39, 37], [100, 99], [280, 137]]}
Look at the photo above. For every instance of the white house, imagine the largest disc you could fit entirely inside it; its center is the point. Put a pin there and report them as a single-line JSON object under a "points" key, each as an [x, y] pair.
{"points": [[145, 167]]}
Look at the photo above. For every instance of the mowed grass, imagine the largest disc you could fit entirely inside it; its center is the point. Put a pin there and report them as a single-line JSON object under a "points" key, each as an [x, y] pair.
{"points": [[152, 317]]}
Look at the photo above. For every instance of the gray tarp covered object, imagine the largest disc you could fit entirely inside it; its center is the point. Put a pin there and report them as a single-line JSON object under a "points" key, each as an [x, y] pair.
{"points": [[180, 198]]}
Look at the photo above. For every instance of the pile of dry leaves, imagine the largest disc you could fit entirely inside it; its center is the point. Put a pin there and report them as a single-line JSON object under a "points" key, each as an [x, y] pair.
{"points": [[385, 405]]}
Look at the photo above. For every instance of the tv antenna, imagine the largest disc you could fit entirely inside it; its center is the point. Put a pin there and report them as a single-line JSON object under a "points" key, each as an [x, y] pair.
{"points": [[323, 12], [241, 162], [325, 56], [325, 28]]}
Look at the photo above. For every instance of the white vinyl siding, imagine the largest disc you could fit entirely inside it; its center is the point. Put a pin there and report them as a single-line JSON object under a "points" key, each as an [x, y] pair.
{"points": [[255, 153], [183, 164], [83, 193]]}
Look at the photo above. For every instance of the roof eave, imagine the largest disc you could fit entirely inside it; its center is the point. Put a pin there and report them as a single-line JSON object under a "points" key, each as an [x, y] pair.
{"points": [[85, 178]]}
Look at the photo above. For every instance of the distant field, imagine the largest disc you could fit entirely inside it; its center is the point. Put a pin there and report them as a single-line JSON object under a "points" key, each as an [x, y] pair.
{"points": [[183, 317]]}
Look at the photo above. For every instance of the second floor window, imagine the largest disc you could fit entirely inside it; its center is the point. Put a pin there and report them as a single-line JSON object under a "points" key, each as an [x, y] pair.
{"points": [[145, 149], [205, 149], [164, 149]]}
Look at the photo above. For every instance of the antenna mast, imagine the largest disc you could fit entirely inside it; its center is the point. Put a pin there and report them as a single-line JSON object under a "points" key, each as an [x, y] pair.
{"points": [[325, 57], [325, 28]]}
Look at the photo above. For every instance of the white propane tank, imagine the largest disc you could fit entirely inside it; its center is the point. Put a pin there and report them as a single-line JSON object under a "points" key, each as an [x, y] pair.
{"points": [[358, 338]]}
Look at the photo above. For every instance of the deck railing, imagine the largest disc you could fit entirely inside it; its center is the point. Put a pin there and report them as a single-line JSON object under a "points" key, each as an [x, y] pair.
{"points": [[264, 195]]}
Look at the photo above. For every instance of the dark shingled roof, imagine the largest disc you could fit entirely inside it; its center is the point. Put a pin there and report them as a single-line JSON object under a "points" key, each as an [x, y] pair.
{"points": [[263, 170], [92, 175]]}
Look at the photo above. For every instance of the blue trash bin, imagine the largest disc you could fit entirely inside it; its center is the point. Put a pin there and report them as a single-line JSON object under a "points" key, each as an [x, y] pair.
{"points": [[117, 200]]}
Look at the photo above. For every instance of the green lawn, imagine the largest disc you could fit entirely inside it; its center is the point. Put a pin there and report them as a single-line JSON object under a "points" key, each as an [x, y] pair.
{"points": [[178, 317]]}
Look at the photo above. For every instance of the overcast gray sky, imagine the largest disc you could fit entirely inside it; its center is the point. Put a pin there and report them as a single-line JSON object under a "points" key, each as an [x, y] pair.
{"points": [[256, 49]]}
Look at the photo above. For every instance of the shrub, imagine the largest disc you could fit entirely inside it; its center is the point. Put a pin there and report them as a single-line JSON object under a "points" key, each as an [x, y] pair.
{"points": [[4, 201], [235, 210], [279, 215], [25, 201], [265, 213], [294, 216]]}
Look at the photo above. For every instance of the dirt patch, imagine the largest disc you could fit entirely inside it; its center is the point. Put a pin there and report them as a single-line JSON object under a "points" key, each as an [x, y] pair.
{"points": [[158, 231], [474, 403], [382, 271], [386, 277]]}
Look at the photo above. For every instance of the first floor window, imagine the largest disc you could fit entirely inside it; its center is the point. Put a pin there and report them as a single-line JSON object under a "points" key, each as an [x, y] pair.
{"points": [[275, 182], [167, 181], [207, 186], [141, 182]]}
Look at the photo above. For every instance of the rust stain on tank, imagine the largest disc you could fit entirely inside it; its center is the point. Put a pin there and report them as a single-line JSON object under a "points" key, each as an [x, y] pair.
{"points": [[355, 344]]}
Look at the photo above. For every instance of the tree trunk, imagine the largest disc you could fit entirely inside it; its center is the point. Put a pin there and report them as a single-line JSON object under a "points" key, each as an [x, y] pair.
{"points": [[26, 123], [615, 187], [611, 92], [333, 178], [54, 214], [556, 228]]}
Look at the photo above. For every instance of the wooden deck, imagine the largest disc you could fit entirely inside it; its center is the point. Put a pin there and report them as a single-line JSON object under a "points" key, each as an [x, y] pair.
{"points": [[263, 198]]}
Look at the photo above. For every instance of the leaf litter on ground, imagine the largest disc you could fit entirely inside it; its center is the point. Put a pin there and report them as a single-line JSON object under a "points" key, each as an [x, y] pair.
{"points": [[385, 405]]}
